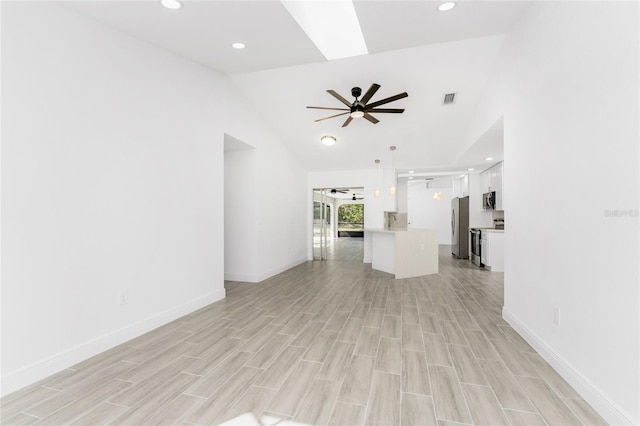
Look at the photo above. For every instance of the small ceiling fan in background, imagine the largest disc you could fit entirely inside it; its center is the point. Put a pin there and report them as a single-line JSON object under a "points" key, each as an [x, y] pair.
{"points": [[360, 108], [340, 190], [354, 198]]}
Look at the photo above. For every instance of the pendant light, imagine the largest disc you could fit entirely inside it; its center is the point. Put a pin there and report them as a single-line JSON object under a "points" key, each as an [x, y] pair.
{"points": [[392, 188], [376, 191]]}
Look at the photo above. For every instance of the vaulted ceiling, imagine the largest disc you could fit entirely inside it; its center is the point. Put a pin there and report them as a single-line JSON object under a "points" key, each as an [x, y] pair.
{"points": [[412, 47]]}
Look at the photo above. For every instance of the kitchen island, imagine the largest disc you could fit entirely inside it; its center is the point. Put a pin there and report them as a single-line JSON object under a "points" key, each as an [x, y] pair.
{"points": [[405, 253]]}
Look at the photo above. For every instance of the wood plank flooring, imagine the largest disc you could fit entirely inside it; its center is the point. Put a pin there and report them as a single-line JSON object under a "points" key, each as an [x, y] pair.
{"points": [[331, 342]]}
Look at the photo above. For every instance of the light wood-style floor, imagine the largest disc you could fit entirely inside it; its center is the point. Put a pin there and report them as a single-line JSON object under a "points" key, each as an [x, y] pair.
{"points": [[329, 342], [346, 248]]}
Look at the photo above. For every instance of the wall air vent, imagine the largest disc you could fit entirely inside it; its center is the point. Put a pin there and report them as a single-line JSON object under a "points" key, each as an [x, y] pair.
{"points": [[448, 98]]}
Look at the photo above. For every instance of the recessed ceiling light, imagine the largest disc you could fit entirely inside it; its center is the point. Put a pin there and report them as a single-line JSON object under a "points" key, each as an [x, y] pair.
{"points": [[446, 6], [410, 171], [171, 4], [489, 158], [328, 140], [470, 169], [410, 177], [238, 45]]}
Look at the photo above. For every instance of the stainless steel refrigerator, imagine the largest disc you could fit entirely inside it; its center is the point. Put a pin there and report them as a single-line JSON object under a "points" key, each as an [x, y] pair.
{"points": [[460, 227]]}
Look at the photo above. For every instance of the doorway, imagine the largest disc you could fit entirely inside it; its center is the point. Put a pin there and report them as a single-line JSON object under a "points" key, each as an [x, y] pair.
{"points": [[338, 224]]}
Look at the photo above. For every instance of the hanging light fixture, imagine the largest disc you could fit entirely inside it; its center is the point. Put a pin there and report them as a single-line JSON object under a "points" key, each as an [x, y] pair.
{"points": [[392, 188], [376, 192]]}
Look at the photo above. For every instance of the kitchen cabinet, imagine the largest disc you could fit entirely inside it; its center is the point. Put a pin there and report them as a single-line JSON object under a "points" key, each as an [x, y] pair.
{"points": [[461, 186], [492, 181], [492, 249]]}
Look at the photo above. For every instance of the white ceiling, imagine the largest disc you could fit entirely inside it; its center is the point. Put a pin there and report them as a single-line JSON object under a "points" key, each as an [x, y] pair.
{"points": [[413, 48]]}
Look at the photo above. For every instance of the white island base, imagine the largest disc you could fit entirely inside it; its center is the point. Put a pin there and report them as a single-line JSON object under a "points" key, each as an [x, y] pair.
{"points": [[405, 253]]}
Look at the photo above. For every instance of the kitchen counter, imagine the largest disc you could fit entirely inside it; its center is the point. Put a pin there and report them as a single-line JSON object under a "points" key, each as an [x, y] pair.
{"points": [[405, 253]]}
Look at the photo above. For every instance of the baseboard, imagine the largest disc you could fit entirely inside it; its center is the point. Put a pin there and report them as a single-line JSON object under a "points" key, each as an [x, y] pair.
{"points": [[283, 268], [607, 408], [245, 278], [39, 370], [256, 278]]}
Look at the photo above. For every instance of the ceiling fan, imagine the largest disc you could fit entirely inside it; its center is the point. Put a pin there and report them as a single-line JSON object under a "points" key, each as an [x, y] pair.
{"points": [[354, 198], [360, 108], [341, 190]]}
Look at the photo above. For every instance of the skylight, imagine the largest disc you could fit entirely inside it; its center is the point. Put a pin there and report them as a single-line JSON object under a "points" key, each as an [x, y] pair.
{"points": [[332, 26]]}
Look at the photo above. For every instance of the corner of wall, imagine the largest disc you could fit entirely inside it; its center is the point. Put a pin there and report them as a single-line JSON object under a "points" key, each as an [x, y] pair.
{"points": [[607, 408]]}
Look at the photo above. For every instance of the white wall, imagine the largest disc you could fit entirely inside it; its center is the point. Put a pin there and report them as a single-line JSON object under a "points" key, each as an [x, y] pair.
{"points": [[402, 196], [240, 206], [566, 82], [426, 213], [112, 180], [279, 187]]}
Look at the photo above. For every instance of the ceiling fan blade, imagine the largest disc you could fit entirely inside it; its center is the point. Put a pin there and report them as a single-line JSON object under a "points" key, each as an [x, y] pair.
{"points": [[334, 109], [346, 123], [326, 118], [371, 118], [338, 97], [372, 91], [386, 110], [387, 100]]}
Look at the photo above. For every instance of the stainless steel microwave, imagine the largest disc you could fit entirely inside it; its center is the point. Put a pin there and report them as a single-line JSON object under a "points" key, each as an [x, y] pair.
{"points": [[489, 200]]}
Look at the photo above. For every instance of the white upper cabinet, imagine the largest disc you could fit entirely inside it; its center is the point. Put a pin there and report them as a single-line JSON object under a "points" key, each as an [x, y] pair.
{"points": [[492, 181], [461, 186]]}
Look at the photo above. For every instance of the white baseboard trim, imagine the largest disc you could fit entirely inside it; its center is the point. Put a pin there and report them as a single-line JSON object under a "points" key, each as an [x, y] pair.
{"points": [[39, 370], [607, 408], [256, 278], [283, 268], [245, 278]]}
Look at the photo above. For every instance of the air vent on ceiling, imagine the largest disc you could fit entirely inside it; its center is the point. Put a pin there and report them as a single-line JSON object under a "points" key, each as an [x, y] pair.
{"points": [[448, 98]]}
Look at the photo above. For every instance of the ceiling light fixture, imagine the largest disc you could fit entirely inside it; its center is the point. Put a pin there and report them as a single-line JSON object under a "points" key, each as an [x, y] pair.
{"points": [[410, 177], [238, 45], [171, 4], [489, 158], [392, 188], [446, 6], [470, 169], [376, 191], [411, 171], [328, 140]]}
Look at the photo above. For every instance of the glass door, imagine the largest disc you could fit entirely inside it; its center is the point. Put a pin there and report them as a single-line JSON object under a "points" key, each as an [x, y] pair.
{"points": [[321, 224]]}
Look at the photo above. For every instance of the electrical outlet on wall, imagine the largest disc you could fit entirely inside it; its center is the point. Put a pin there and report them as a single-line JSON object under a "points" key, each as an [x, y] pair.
{"points": [[123, 298], [556, 315]]}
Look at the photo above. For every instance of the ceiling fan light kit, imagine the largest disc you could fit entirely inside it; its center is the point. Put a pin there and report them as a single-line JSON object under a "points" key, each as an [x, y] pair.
{"points": [[359, 108]]}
